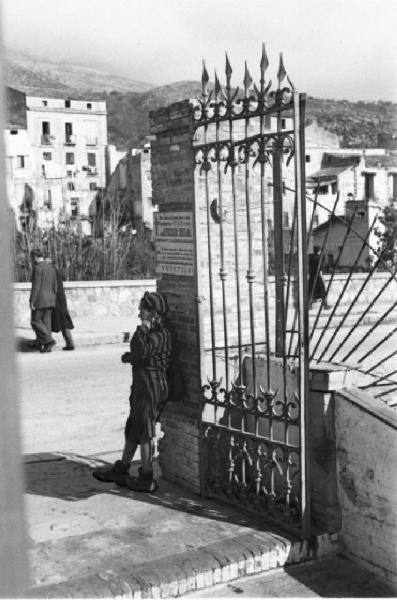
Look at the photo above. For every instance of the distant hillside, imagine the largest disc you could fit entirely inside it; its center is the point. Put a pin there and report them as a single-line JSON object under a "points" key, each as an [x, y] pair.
{"points": [[357, 123], [30, 75], [129, 102], [128, 114]]}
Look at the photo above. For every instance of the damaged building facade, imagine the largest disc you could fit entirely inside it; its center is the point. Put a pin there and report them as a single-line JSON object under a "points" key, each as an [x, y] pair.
{"points": [[56, 158]]}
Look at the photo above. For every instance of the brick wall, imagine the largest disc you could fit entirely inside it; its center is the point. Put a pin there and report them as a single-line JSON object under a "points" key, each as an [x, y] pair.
{"points": [[173, 190], [366, 452]]}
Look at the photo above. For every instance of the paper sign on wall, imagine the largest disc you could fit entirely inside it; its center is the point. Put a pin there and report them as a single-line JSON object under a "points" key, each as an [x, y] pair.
{"points": [[173, 235]]}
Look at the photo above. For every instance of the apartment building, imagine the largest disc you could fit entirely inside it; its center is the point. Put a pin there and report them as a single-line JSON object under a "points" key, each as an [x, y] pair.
{"points": [[55, 158]]}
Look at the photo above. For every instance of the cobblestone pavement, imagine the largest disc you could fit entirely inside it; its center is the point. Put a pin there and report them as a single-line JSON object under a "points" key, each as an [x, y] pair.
{"points": [[333, 577]]}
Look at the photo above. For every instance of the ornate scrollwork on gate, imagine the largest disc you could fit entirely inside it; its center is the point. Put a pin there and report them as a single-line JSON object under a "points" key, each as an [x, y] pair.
{"points": [[246, 464]]}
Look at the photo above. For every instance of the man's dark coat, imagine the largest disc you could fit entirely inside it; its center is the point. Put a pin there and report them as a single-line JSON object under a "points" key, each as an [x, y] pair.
{"points": [[44, 286]]}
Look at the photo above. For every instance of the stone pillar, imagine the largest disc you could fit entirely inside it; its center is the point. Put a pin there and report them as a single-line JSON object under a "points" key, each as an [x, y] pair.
{"points": [[176, 245], [324, 381]]}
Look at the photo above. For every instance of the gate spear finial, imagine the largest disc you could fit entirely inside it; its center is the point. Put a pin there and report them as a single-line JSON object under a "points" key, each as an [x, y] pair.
{"points": [[228, 71], [204, 81], [264, 65], [217, 87], [247, 80], [281, 71]]}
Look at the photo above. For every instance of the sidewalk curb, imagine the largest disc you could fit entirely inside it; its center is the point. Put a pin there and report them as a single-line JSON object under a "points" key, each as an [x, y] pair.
{"points": [[197, 569]]}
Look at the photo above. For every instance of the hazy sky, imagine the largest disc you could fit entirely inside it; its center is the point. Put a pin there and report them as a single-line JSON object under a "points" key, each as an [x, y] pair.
{"points": [[332, 48]]}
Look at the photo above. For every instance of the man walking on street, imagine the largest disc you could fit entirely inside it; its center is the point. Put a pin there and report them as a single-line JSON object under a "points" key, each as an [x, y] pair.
{"points": [[42, 300], [60, 318]]}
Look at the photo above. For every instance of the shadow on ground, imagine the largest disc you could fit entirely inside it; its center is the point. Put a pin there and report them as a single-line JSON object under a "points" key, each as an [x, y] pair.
{"points": [[337, 577], [69, 477], [23, 344]]}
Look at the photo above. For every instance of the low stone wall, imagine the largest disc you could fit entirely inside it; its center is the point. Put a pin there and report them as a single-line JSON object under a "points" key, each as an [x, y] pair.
{"points": [[89, 298], [103, 298], [366, 462]]}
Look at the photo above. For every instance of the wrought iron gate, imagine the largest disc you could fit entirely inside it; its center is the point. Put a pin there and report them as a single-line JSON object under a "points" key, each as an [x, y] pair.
{"points": [[249, 149]]}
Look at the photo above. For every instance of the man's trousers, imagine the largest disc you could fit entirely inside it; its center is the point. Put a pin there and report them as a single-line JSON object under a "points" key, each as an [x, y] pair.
{"points": [[41, 324]]}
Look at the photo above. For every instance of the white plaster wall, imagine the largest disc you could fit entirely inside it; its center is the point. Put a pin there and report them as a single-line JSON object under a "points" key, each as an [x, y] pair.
{"points": [[366, 443]]}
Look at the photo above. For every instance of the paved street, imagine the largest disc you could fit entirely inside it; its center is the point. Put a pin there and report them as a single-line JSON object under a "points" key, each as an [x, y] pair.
{"points": [[78, 401], [74, 401]]}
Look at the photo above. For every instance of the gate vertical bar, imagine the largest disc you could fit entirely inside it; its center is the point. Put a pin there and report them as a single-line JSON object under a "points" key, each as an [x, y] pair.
{"points": [[265, 228], [299, 119], [232, 162], [278, 233], [250, 271], [206, 167], [222, 270]]}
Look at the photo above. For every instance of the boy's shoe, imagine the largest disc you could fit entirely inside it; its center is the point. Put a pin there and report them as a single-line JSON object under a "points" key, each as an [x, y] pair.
{"points": [[68, 347], [142, 483], [116, 473]]}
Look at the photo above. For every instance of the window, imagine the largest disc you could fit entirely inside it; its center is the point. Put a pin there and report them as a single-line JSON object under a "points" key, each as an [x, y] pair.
{"points": [[283, 124], [307, 158], [47, 156], [323, 189], [285, 219], [369, 185], [394, 185], [45, 103], [68, 132], [89, 106], [91, 158], [74, 207], [93, 185], [69, 173], [46, 132], [71, 186], [67, 103], [334, 187], [267, 122], [70, 158], [20, 161], [48, 200], [14, 132]]}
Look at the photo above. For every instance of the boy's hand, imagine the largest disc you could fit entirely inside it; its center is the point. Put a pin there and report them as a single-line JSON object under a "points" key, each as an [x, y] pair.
{"points": [[126, 357]]}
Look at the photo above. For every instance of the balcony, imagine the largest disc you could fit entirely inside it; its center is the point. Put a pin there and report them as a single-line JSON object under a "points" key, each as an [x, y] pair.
{"points": [[70, 140], [91, 141], [47, 139], [90, 170]]}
